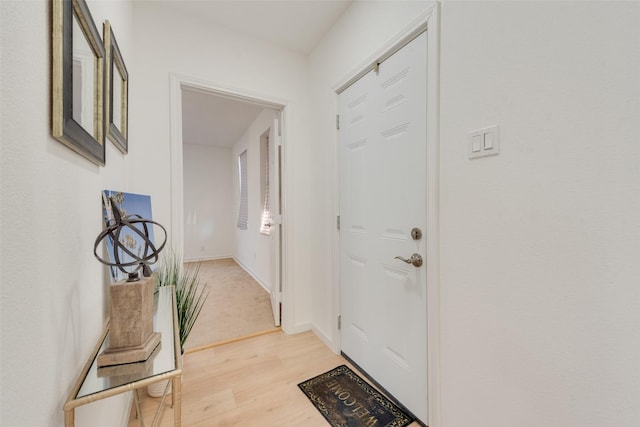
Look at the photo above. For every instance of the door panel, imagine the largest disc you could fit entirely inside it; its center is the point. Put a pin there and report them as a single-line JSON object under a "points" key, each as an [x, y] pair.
{"points": [[383, 146], [275, 170]]}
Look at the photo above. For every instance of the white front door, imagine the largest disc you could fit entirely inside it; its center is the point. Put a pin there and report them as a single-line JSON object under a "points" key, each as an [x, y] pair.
{"points": [[383, 197]]}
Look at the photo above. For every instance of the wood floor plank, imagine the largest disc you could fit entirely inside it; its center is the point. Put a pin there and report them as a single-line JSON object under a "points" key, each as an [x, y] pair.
{"points": [[250, 383]]}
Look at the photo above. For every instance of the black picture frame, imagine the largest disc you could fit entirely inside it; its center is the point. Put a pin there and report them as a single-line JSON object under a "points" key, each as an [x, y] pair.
{"points": [[67, 128], [116, 69]]}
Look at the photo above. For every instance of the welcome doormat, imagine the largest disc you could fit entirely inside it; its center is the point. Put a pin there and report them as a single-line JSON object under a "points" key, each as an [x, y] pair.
{"points": [[346, 400]]}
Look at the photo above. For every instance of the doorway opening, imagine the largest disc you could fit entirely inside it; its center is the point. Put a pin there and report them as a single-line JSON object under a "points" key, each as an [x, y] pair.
{"points": [[226, 207]]}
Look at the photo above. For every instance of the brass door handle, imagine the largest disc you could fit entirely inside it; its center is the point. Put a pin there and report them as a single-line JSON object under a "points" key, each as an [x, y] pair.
{"points": [[416, 260]]}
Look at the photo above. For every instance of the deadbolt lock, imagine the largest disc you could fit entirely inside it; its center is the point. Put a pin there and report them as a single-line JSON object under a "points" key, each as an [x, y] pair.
{"points": [[416, 233]]}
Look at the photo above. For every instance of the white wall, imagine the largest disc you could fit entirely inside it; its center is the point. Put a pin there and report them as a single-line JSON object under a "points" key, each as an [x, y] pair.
{"points": [[540, 302], [253, 249], [53, 290], [228, 60], [540, 298], [364, 29], [208, 202]]}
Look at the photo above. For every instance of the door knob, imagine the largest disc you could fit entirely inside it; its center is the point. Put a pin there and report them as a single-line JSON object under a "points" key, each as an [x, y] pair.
{"points": [[415, 259]]}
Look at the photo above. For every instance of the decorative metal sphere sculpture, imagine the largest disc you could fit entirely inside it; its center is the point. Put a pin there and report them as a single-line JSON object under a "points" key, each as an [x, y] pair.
{"points": [[142, 261]]}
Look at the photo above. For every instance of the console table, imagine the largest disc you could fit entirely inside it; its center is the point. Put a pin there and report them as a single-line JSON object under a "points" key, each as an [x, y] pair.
{"points": [[165, 363]]}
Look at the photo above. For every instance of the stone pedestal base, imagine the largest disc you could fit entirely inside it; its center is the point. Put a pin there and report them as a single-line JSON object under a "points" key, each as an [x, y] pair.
{"points": [[131, 336], [116, 375]]}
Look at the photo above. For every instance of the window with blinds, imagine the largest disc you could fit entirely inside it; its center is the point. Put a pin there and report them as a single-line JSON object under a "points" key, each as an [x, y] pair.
{"points": [[243, 212], [265, 217]]}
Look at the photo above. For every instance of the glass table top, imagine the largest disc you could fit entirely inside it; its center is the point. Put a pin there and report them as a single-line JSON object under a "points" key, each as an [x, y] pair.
{"points": [[162, 360]]}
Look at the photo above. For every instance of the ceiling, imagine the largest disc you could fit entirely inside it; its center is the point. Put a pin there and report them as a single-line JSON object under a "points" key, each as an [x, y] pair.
{"points": [[293, 24], [297, 25], [214, 120]]}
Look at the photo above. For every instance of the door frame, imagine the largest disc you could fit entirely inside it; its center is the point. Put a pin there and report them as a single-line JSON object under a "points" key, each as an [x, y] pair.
{"points": [[429, 22], [176, 83]]}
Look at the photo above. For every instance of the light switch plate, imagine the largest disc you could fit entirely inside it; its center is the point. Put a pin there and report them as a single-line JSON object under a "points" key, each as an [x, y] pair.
{"points": [[476, 143], [489, 139]]}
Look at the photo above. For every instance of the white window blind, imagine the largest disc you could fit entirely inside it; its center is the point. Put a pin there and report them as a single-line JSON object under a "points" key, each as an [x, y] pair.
{"points": [[265, 221], [243, 212]]}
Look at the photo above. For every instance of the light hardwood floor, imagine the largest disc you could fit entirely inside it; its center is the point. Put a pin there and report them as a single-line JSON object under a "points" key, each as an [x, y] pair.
{"points": [[252, 382]]}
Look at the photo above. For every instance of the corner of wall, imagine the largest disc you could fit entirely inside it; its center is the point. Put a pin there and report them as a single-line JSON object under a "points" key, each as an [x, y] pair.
{"points": [[326, 339]]}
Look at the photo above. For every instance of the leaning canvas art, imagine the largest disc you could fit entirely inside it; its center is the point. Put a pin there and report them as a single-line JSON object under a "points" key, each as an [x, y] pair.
{"points": [[128, 204]]}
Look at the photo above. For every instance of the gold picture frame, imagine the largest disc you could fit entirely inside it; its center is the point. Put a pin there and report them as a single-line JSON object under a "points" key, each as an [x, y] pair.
{"points": [[117, 92], [78, 80]]}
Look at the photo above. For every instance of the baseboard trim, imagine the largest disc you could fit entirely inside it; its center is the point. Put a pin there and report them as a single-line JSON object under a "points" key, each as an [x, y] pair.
{"points": [[255, 277], [215, 258], [300, 328], [324, 338]]}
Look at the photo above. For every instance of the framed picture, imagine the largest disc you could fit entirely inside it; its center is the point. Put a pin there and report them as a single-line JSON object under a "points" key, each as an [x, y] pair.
{"points": [[117, 92], [127, 204], [78, 80]]}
